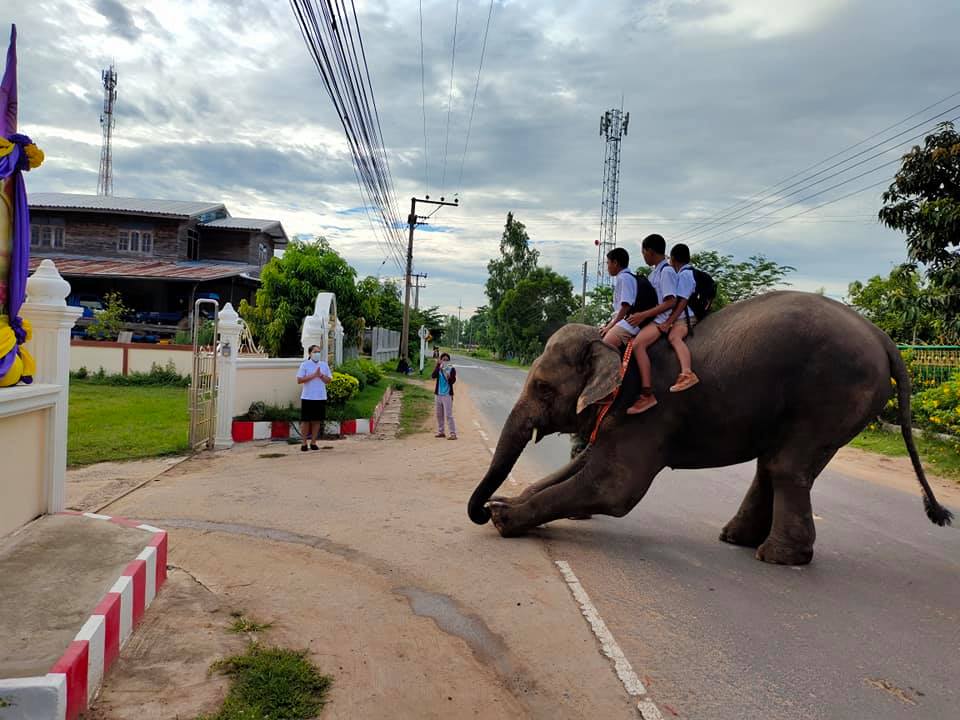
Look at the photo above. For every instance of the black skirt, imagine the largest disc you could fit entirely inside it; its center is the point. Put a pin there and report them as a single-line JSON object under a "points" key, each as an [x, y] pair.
{"points": [[313, 410]]}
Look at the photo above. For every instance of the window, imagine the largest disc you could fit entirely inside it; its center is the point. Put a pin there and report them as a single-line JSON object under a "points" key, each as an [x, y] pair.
{"points": [[135, 241], [47, 236]]}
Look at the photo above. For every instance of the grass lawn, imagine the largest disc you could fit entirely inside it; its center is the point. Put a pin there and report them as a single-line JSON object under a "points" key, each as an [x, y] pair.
{"points": [[365, 402], [123, 423], [415, 408], [939, 457]]}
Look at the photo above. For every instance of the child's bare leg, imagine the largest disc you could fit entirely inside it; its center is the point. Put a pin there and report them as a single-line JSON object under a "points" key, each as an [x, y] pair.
{"points": [[647, 337], [677, 335]]}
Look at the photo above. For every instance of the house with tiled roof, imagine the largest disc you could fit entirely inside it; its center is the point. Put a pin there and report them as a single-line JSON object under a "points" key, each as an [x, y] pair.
{"points": [[160, 255]]}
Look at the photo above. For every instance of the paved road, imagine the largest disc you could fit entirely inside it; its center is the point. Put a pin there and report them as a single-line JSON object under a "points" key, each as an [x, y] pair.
{"points": [[871, 629]]}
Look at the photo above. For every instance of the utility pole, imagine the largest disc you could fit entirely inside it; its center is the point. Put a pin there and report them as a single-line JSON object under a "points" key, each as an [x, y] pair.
{"points": [[416, 295], [583, 297], [459, 308], [412, 220]]}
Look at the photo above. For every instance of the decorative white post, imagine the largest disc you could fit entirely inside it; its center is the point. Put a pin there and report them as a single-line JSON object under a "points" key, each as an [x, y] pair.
{"points": [[337, 343], [51, 320], [314, 333], [230, 330], [422, 333]]}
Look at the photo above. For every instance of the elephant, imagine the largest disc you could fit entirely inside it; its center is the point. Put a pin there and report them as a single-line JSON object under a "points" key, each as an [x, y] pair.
{"points": [[786, 378]]}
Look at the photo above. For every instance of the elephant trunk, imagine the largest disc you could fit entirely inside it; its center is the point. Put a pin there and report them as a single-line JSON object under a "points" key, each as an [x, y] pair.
{"points": [[513, 439]]}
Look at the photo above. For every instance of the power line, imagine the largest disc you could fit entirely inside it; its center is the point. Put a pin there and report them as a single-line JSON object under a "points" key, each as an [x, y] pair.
{"points": [[453, 61], [476, 89], [820, 192], [802, 212], [423, 107], [767, 192]]}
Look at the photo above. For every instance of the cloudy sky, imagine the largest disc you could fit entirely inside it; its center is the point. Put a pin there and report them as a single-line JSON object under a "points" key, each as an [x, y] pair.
{"points": [[219, 100]]}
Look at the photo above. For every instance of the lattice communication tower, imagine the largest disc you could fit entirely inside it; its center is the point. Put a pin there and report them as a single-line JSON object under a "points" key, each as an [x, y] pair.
{"points": [[107, 123], [613, 127]]}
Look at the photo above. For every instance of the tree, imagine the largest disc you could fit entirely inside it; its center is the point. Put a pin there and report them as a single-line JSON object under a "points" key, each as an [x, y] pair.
{"points": [[740, 280], [924, 203], [108, 322], [288, 291], [380, 304], [517, 260], [599, 307], [902, 305], [533, 310], [476, 329]]}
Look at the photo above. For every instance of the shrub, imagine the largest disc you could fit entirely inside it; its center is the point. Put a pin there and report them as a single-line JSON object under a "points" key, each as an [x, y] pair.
{"points": [[354, 370], [342, 387], [107, 323], [262, 412], [204, 335], [371, 370], [938, 409], [159, 375]]}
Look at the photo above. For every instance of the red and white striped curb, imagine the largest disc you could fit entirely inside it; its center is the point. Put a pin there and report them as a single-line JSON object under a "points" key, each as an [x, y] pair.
{"points": [[74, 680], [246, 430]]}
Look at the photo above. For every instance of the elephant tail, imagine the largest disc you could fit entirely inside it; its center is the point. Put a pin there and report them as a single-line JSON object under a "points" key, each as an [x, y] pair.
{"points": [[938, 514]]}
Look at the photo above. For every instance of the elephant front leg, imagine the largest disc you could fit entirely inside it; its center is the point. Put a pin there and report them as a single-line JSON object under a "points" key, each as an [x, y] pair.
{"points": [[607, 490], [751, 525]]}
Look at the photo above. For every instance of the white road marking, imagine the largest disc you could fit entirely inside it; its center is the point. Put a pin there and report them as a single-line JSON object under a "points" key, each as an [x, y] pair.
{"points": [[631, 683]]}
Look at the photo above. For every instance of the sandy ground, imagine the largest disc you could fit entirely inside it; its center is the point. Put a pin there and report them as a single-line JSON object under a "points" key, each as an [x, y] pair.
{"points": [[91, 487], [895, 472], [362, 554]]}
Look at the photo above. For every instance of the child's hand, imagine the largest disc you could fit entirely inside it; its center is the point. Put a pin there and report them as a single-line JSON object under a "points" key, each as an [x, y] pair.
{"points": [[635, 319]]}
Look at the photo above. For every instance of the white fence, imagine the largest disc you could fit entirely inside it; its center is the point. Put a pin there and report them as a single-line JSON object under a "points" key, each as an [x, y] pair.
{"points": [[384, 344]]}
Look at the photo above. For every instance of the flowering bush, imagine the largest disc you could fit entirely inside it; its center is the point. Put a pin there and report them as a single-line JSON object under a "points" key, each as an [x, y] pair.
{"points": [[341, 388], [938, 408]]}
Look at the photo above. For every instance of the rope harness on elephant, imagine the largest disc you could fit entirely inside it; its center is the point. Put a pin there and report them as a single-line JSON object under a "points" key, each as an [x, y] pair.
{"points": [[607, 404]]}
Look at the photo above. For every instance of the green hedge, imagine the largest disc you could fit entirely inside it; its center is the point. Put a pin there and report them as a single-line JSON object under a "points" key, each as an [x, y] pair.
{"points": [[159, 375]]}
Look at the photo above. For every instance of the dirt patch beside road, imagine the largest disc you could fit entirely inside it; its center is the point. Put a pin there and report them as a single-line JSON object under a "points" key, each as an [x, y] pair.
{"points": [[364, 555], [895, 472]]}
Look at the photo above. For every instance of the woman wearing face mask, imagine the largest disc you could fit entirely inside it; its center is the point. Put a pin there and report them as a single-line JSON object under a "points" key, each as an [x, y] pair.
{"points": [[313, 375]]}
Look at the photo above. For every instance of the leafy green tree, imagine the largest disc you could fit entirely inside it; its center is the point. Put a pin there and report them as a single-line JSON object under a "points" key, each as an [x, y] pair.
{"points": [[599, 307], [380, 303], [902, 305], [476, 329], [108, 322], [517, 260], [288, 291], [740, 280], [924, 203], [533, 310]]}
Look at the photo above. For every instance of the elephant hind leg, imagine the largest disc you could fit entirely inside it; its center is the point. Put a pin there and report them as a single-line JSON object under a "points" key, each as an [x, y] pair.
{"points": [[792, 532], [751, 525]]}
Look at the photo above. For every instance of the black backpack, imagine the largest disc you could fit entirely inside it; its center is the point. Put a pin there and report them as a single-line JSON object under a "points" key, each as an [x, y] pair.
{"points": [[704, 293]]}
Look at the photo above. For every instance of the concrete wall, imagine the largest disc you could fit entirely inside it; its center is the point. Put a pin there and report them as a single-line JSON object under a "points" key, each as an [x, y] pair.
{"points": [[139, 357], [24, 477], [269, 380]]}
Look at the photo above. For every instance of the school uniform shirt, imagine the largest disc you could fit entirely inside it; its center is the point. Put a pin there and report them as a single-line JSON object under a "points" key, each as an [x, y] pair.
{"points": [[624, 290], [664, 281], [315, 389], [686, 286]]}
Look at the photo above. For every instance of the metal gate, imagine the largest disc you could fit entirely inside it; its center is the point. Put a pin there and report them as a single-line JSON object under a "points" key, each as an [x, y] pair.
{"points": [[203, 385]]}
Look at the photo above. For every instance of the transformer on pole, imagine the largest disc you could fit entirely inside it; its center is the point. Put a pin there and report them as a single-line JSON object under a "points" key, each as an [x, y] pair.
{"points": [[107, 123], [613, 127]]}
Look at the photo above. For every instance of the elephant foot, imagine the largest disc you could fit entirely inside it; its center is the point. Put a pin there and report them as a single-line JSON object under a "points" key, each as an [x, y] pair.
{"points": [[737, 533], [504, 518], [777, 553]]}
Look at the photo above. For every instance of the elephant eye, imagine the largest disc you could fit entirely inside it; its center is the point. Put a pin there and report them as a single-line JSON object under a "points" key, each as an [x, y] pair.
{"points": [[542, 387]]}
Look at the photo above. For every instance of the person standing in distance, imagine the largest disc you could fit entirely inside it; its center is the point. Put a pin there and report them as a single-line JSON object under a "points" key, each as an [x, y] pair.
{"points": [[446, 375], [313, 376]]}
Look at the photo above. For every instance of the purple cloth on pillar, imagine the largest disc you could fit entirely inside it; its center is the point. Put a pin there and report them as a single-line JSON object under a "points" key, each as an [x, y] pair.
{"points": [[13, 164]]}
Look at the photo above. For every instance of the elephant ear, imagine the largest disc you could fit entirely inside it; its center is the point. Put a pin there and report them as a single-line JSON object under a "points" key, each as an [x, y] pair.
{"points": [[603, 374]]}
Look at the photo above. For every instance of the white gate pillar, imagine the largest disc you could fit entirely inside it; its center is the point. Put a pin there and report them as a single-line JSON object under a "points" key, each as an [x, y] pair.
{"points": [[422, 333], [51, 320], [337, 343], [229, 330]]}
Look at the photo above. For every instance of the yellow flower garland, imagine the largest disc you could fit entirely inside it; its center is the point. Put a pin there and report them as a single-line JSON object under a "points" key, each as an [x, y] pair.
{"points": [[23, 363]]}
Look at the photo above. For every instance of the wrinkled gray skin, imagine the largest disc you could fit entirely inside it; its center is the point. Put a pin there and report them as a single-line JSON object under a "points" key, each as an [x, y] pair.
{"points": [[787, 379]]}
